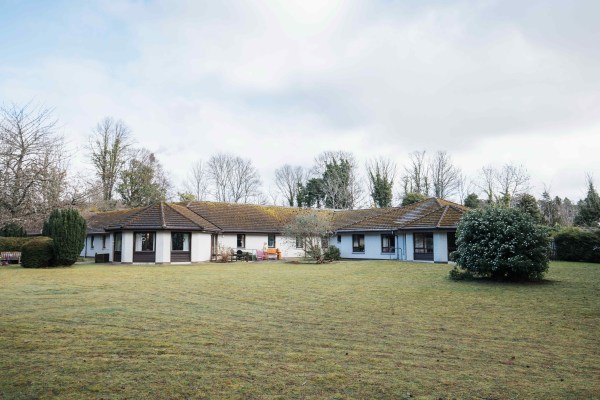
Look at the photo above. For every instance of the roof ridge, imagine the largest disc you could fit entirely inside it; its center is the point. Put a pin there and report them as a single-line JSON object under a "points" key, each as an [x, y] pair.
{"points": [[442, 217], [171, 206], [200, 215], [420, 218], [162, 215], [134, 215]]}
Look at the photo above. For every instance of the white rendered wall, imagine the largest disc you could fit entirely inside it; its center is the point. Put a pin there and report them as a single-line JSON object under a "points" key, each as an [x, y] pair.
{"points": [[287, 245], [163, 247], [288, 248], [410, 247], [201, 246], [440, 247], [253, 241], [127, 247]]}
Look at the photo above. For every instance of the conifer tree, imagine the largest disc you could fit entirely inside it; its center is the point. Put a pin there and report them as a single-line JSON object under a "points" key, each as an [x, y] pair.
{"points": [[67, 228]]}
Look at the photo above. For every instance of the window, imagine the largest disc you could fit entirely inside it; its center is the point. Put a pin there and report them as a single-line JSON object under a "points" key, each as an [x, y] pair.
{"points": [[144, 241], [271, 241], [103, 241], [92, 242], [324, 242], [423, 243], [339, 238], [241, 241], [180, 241], [388, 244], [299, 242], [358, 243]]}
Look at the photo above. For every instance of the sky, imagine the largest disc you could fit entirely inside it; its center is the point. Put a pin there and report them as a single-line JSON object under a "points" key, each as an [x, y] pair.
{"points": [[490, 82]]}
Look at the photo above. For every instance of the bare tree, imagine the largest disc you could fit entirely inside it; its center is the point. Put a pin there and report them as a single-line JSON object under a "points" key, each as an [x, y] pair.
{"points": [[197, 181], [464, 188], [486, 182], [445, 177], [511, 180], [288, 180], [381, 173], [416, 174], [32, 161], [234, 179], [502, 185], [108, 146]]}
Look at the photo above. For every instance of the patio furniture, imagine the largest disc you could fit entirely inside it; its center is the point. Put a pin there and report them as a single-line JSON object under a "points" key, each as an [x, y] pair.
{"points": [[242, 255], [273, 252], [7, 256]]}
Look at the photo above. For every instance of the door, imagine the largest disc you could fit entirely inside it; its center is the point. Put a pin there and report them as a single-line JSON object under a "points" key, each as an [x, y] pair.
{"points": [[214, 246], [118, 243]]}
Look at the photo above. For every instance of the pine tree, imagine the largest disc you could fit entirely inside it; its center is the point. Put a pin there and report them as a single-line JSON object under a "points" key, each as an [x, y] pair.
{"points": [[67, 228], [589, 208], [528, 204]]}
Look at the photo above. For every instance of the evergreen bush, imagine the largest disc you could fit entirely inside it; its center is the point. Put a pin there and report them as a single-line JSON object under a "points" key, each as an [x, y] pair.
{"points": [[13, 243], [501, 243], [574, 244], [332, 254], [11, 229], [38, 253], [67, 228]]}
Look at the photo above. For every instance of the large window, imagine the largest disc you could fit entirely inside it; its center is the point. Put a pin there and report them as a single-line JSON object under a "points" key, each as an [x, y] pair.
{"points": [[103, 241], [324, 242], [423, 246], [299, 242], [241, 241], [180, 241], [271, 241], [358, 243], [339, 238], [92, 241], [144, 241], [388, 244]]}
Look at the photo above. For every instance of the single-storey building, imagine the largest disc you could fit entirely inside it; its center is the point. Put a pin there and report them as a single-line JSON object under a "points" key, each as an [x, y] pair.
{"points": [[196, 231]]}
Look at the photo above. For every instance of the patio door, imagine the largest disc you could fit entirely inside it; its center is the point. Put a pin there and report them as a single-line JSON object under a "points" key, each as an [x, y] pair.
{"points": [[118, 244]]}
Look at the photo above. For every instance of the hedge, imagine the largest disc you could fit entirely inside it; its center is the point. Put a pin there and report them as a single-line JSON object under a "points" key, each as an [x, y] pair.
{"points": [[573, 244], [13, 243], [38, 253]]}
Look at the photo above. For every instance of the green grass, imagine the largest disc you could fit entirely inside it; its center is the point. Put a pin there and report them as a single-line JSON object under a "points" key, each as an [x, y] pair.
{"points": [[363, 329]]}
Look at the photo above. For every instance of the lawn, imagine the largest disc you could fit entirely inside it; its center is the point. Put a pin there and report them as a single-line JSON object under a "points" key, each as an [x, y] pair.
{"points": [[368, 329]]}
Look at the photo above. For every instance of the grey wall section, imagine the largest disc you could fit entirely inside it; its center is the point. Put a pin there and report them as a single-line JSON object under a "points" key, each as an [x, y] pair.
{"points": [[372, 247], [88, 251]]}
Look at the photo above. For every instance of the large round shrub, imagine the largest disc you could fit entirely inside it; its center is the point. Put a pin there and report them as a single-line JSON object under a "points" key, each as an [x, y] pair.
{"points": [[67, 228], [501, 243], [38, 253]]}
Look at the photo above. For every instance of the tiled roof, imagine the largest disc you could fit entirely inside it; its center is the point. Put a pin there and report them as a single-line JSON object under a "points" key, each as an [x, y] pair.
{"points": [[225, 217], [245, 217], [155, 216], [428, 214]]}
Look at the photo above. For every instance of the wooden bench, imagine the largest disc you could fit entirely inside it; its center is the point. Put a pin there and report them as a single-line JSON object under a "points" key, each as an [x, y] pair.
{"points": [[7, 256], [273, 252]]}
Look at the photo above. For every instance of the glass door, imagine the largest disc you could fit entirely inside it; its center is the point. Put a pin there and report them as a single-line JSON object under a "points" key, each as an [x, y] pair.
{"points": [[118, 243]]}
